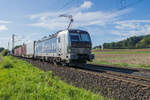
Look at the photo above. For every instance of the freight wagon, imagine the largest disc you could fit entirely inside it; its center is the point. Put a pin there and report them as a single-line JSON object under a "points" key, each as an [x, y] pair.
{"points": [[23, 50], [30, 50], [18, 51]]}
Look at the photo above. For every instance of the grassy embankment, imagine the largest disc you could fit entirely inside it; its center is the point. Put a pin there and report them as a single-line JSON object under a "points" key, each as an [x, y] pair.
{"points": [[138, 58], [19, 80]]}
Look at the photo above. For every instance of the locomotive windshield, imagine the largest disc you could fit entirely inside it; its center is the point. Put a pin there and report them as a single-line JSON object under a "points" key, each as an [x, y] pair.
{"points": [[74, 37], [79, 37]]}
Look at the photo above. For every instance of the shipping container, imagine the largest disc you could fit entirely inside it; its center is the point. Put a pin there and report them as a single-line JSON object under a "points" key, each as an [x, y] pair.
{"points": [[30, 49], [15, 52], [24, 50], [19, 51]]}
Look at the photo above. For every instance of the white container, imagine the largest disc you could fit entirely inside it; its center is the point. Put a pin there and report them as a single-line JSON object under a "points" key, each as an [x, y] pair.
{"points": [[30, 49]]}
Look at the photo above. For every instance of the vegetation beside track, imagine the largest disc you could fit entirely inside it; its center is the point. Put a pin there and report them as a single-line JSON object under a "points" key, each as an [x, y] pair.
{"points": [[1, 49], [138, 58], [119, 64], [19, 80], [123, 52]]}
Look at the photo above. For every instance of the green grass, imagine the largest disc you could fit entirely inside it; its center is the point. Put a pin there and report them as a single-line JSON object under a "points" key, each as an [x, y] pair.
{"points": [[19, 80], [120, 64], [108, 60], [123, 52]]}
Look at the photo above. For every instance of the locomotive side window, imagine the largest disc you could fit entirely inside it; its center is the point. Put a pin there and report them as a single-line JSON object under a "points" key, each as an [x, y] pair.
{"points": [[59, 40], [74, 37]]}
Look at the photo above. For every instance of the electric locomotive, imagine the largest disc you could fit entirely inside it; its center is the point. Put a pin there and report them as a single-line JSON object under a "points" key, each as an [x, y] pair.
{"points": [[65, 47]]}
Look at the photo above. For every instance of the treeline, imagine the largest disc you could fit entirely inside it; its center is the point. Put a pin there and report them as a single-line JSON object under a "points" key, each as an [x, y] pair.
{"points": [[136, 42], [1, 49], [17, 46]]}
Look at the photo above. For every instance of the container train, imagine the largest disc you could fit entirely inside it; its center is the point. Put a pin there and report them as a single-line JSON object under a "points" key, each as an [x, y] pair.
{"points": [[67, 47]]}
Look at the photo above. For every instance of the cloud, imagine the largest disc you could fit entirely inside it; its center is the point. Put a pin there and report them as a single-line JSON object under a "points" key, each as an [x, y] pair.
{"points": [[130, 24], [95, 20], [133, 21], [5, 22], [3, 28], [128, 28], [86, 4], [82, 18]]}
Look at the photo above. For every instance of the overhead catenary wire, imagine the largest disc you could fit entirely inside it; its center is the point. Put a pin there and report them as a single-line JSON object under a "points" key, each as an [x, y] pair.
{"points": [[124, 6], [65, 5]]}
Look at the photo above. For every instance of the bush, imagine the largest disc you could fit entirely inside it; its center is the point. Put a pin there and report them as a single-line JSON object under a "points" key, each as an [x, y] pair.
{"points": [[5, 52], [1, 49], [8, 65]]}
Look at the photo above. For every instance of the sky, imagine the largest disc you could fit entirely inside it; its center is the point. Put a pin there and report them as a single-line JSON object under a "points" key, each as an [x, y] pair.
{"points": [[106, 22]]}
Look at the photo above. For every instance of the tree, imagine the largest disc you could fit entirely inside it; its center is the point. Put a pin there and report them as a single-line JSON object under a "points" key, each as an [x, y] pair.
{"points": [[1, 49], [130, 43]]}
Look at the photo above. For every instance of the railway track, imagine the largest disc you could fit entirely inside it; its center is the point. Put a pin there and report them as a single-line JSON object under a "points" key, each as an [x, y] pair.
{"points": [[129, 78], [116, 75], [120, 84]]}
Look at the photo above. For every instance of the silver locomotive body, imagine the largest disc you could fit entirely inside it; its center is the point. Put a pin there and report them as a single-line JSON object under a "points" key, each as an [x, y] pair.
{"points": [[65, 47], [79, 48]]}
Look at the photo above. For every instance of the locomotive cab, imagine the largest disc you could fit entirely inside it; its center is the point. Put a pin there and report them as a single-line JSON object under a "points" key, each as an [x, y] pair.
{"points": [[79, 48], [74, 47]]}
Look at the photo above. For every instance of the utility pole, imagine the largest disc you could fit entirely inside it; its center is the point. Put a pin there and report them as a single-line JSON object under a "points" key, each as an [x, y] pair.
{"points": [[102, 46], [13, 43], [8, 45]]}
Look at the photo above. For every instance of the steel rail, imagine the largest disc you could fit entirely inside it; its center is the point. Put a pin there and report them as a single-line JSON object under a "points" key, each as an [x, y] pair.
{"points": [[135, 82], [133, 79]]}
